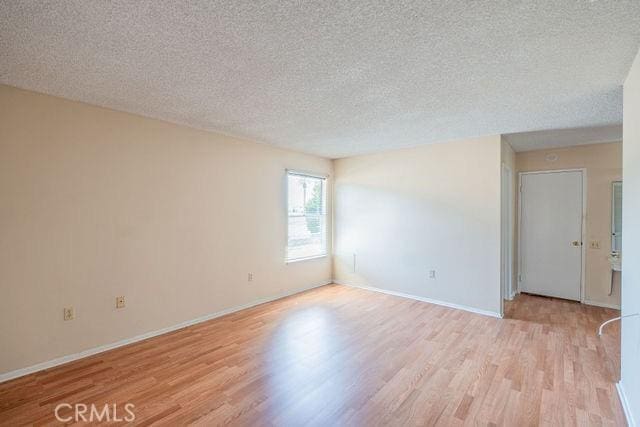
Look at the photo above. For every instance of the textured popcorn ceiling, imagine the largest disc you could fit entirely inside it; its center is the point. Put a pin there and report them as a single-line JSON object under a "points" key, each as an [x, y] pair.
{"points": [[333, 78]]}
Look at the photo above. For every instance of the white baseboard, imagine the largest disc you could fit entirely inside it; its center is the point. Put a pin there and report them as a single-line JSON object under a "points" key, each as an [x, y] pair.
{"points": [[601, 304], [625, 404], [90, 352], [424, 299]]}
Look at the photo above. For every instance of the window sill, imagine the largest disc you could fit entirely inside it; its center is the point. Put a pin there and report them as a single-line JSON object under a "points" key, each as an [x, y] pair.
{"points": [[292, 261]]}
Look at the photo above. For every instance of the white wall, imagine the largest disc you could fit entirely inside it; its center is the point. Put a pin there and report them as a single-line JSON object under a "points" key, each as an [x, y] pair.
{"points": [[436, 207], [630, 352], [96, 203]]}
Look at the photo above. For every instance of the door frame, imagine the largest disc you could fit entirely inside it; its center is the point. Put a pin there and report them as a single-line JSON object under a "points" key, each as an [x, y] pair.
{"points": [[507, 200], [583, 269]]}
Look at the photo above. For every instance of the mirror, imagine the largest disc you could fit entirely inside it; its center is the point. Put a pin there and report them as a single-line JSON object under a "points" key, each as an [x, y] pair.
{"points": [[616, 216]]}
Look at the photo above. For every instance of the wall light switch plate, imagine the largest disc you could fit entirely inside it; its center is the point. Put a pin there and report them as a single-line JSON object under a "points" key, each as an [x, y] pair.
{"points": [[69, 313], [432, 274], [119, 302], [250, 277]]}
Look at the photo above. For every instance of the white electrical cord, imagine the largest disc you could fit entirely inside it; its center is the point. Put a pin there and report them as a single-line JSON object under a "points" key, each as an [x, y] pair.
{"points": [[613, 320]]}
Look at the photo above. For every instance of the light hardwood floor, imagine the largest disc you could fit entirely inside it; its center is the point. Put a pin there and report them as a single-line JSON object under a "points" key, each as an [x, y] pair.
{"points": [[342, 356]]}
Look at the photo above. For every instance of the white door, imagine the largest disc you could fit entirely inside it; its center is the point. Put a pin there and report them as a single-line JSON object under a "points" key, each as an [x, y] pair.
{"points": [[551, 234]]}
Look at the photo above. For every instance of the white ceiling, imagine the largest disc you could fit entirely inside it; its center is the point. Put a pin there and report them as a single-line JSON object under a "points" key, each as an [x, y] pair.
{"points": [[527, 141], [332, 78]]}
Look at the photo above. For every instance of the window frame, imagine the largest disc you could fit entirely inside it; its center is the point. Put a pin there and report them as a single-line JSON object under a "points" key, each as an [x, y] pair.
{"points": [[325, 192]]}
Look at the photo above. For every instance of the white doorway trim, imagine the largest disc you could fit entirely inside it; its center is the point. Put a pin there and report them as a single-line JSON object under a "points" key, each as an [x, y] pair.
{"points": [[584, 225], [507, 231]]}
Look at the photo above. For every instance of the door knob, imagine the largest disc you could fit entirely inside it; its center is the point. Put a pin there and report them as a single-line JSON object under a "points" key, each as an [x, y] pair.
{"points": [[576, 243]]}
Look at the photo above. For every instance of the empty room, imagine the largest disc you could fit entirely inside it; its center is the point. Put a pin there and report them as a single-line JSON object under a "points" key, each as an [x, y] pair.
{"points": [[276, 213]]}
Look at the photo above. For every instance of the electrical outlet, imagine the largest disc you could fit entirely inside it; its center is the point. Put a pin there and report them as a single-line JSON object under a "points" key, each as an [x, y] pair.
{"points": [[594, 244], [119, 302], [69, 313], [432, 274], [250, 277]]}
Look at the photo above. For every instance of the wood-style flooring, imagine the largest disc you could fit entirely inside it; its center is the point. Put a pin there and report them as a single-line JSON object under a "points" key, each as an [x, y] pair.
{"points": [[342, 356]]}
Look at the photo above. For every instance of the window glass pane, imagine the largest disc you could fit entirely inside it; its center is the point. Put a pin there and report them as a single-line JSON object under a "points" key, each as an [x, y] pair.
{"points": [[306, 209]]}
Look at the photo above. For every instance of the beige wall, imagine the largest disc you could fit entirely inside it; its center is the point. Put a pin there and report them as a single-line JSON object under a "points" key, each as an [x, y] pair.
{"points": [[603, 163], [97, 203], [630, 337], [405, 212]]}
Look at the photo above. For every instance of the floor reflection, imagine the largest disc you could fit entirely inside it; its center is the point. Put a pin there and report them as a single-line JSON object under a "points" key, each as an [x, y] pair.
{"points": [[307, 356]]}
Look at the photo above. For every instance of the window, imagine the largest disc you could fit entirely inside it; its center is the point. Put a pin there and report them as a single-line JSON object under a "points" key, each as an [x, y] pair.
{"points": [[306, 216]]}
